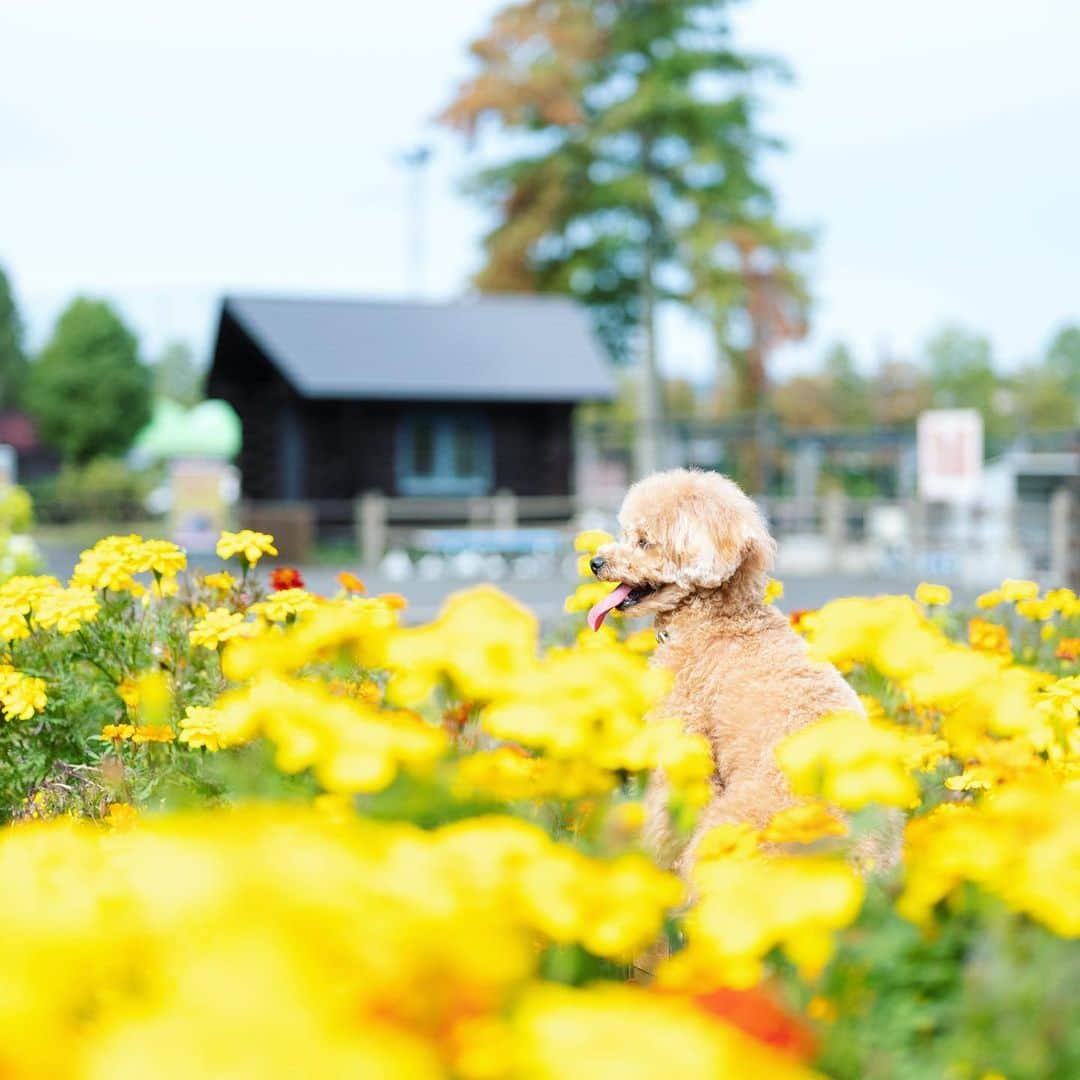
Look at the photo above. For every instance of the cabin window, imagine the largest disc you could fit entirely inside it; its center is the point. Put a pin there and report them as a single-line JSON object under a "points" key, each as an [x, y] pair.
{"points": [[291, 454], [444, 453]]}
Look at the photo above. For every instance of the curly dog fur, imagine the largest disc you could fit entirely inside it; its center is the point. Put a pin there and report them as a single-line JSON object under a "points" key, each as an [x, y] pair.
{"points": [[696, 551]]}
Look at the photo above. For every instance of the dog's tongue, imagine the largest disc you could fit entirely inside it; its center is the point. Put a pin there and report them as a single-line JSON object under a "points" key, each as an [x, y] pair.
{"points": [[602, 607]]}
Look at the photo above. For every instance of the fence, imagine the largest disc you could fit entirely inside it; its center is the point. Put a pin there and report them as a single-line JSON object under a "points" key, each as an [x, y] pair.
{"points": [[829, 533]]}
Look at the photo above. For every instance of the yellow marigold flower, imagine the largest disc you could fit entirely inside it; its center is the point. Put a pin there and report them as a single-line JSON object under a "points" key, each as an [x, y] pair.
{"points": [[641, 641], [66, 609], [1064, 600], [587, 594], [217, 626], [933, 595], [222, 581], [153, 696], [22, 696], [286, 604], [251, 546], [1014, 589], [117, 732], [774, 590], [482, 640], [989, 599], [508, 775], [989, 637], [110, 564], [160, 557], [121, 815], [369, 692], [199, 728], [24, 593], [850, 760], [591, 540], [803, 824], [750, 903], [13, 624], [628, 817], [153, 733], [1019, 843], [607, 1031], [821, 1008], [1035, 609], [128, 693]]}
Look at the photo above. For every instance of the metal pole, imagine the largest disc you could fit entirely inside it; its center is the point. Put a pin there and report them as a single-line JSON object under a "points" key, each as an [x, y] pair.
{"points": [[416, 162]]}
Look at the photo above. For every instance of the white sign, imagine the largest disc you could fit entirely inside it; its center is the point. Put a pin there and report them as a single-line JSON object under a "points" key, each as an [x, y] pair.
{"points": [[950, 455]]}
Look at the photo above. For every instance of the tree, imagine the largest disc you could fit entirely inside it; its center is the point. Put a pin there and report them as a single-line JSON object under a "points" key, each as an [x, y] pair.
{"points": [[632, 177], [961, 367], [899, 391], [88, 391], [1063, 358], [12, 353], [849, 391], [1043, 400], [177, 376]]}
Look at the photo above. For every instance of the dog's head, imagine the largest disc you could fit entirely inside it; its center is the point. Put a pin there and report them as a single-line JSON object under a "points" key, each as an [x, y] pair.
{"points": [[683, 531]]}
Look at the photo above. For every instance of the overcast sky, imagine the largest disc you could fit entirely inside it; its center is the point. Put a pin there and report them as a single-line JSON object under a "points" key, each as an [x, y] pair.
{"points": [[161, 154]]}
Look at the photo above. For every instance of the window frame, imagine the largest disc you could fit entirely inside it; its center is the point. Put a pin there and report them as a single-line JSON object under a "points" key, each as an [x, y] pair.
{"points": [[444, 423]]}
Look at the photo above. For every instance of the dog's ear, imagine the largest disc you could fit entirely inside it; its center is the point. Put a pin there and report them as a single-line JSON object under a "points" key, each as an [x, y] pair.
{"points": [[710, 542]]}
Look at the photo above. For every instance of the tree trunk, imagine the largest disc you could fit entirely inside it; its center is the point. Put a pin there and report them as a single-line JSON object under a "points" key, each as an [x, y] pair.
{"points": [[650, 395], [649, 442]]}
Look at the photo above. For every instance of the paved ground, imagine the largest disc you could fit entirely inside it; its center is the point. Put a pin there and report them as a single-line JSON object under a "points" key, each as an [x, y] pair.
{"points": [[545, 596]]}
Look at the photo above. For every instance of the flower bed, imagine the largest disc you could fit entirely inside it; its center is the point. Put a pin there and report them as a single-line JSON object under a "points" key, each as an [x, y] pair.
{"points": [[266, 833]]}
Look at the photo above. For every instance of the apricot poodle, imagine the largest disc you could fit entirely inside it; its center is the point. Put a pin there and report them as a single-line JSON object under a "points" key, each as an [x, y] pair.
{"points": [[694, 553]]}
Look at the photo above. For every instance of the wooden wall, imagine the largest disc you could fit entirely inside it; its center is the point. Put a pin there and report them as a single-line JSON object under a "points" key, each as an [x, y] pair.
{"points": [[348, 446]]}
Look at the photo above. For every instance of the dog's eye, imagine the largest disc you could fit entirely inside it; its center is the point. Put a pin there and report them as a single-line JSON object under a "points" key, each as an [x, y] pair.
{"points": [[643, 543]]}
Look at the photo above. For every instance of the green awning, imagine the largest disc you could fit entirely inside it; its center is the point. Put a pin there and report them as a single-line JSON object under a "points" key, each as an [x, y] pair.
{"points": [[210, 430]]}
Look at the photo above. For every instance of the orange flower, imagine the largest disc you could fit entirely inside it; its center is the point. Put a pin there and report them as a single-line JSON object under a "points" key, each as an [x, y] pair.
{"points": [[989, 637], [285, 577], [350, 582], [394, 600], [153, 733], [455, 718], [1068, 649], [759, 1015]]}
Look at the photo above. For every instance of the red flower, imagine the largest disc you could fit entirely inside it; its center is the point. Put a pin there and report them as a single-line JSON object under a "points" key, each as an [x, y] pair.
{"points": [[285, 577]]}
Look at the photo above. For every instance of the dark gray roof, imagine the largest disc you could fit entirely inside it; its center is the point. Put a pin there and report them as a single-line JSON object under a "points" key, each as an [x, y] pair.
{"points": [[531, 348]]}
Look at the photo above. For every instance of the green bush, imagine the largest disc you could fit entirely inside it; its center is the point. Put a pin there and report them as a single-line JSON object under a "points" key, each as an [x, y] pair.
{"points": [[102, 490]]}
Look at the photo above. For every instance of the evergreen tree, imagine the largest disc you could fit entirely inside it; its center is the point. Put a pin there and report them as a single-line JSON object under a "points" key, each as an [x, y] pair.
{"points": [[633, 176], [12, 353], [88, 391]]}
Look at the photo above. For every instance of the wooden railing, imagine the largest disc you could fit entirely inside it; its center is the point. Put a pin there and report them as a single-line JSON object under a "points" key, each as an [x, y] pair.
{"points": [[1048, 534]]}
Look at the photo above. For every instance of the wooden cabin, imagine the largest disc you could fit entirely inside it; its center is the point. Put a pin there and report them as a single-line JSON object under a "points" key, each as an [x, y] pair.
{"points": [[339, 397]]}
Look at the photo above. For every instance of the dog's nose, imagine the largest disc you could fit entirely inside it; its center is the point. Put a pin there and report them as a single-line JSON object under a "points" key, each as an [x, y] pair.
{"points": [[596, 564]]}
